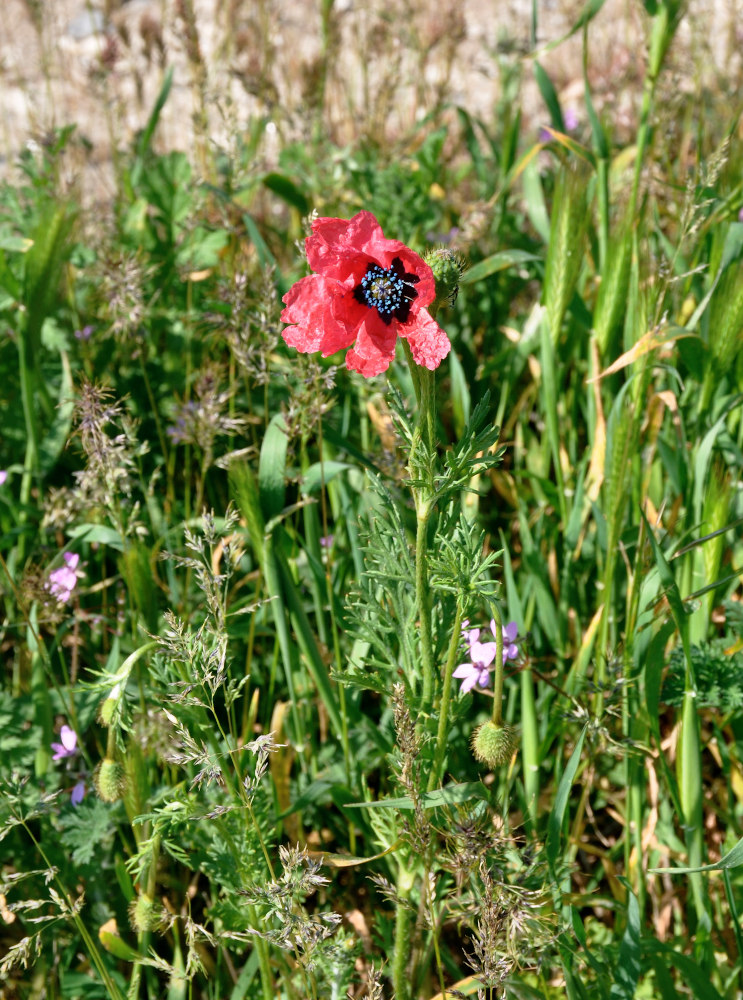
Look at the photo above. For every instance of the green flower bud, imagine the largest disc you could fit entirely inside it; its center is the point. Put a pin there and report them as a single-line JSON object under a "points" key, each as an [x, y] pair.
{"points": [[447, 269], [493, 744], [106, 710], [145, 914], [110, 780]]}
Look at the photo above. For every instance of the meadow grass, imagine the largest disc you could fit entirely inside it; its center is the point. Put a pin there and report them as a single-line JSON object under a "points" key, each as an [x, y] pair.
{"points": [[251, 744]]}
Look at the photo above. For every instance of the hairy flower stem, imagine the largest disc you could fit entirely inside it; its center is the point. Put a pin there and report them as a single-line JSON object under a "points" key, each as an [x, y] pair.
{"points": [[404, 920], [497, 716], [422, 450], [423, 598], [443, 730]]}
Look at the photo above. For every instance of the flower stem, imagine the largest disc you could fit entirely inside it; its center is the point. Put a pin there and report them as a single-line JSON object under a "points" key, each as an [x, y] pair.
{"points": [[423, 599], [403, 934], [438, 760], [498, 675]]}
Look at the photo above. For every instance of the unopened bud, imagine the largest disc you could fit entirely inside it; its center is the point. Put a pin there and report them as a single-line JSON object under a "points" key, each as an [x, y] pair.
{"points": [[447, 269], [494, 745], [110, 780], [145, 914]]}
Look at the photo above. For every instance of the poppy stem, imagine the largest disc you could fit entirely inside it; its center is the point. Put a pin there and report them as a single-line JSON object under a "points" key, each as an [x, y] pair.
{"points": [[443, 730]]}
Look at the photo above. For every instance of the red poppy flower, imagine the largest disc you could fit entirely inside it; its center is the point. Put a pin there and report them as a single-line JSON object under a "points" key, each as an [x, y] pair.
{"points": [[366, 291]]}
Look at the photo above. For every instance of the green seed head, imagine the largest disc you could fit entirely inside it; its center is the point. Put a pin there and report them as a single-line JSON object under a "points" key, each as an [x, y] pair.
{"points": [[110, 780], [447, 269], [145, 914], [493, 744]]}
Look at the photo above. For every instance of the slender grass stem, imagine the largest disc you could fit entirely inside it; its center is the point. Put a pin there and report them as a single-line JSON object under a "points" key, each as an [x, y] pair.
{"points": [[113, 990]]}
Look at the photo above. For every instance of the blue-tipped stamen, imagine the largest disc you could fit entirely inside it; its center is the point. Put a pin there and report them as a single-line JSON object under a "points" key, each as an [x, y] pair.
{"points": [[388, 290]]}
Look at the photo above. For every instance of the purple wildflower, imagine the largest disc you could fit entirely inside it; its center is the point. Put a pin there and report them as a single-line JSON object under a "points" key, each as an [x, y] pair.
{"points": [[477, 671], [68, 746], [570, 119], [78, 793], [3, 476], [63, 581], [85, 333]]}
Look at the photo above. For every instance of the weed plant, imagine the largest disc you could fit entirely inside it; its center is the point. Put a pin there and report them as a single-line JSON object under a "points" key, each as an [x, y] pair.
{"points": [[416, 682]]}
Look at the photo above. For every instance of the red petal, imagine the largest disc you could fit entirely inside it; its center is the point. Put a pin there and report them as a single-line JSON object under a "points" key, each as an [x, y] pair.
{"points": [[428, 342], [309, 305], [341, 248], [374, 348]]}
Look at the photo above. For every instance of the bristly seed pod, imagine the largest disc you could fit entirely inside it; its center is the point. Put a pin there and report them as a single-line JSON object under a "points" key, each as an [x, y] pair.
{"points": [[145, 914], [494, 744], [110, 780]]}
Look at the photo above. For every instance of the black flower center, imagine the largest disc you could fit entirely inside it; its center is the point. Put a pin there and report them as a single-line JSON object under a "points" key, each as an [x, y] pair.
{"points": [[388, 290]]}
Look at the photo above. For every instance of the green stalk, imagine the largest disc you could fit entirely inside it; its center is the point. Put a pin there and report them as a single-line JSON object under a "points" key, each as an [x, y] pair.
{"points": [[423, 599], [665, 23], [443, 730], [529, 746], [112, 989], [497, 716], [403, 934]]}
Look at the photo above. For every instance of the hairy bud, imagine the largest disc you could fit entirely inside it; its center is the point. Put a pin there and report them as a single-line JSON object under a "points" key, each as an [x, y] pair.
{"points": [[493, 744], [110, 780]]}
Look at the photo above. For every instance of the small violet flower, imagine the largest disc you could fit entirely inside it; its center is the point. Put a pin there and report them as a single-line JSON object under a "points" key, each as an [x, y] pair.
{"points": [[63, 581], [477, 671], [78, 793], [68, 746], [482, 654]]}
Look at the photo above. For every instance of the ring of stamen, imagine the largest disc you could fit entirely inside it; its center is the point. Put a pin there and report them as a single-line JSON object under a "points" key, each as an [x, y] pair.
{"points": [[388, 290]]}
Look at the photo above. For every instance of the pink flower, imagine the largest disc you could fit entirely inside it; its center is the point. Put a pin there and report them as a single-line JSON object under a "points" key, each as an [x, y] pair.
{"points": [[477, 671], [3, 476], [366, 290], [68, 746], [63, 581], [78, 793]]}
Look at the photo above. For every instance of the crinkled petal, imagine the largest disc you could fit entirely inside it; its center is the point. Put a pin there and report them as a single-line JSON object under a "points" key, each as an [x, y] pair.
{"points": [[374, 349], [341, 248], [428, 342], [309, 308]]}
